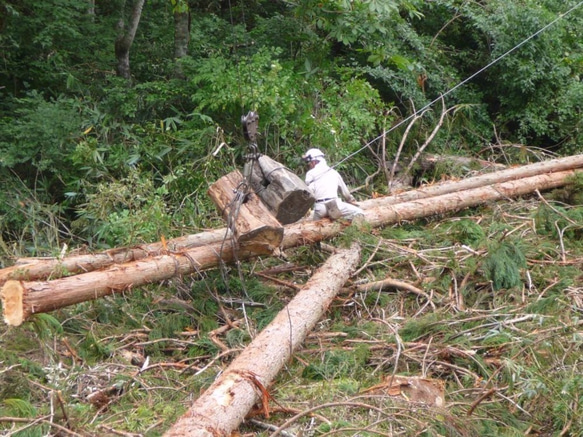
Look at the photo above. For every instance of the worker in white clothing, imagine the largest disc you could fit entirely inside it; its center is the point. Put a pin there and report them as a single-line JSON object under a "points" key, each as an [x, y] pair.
{"points": [[324, 182]]}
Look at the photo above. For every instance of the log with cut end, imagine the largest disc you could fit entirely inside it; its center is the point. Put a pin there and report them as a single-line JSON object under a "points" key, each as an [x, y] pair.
{"points": [[525, 171], [251, 222], [30, 269], [43, 296], [35, 269], [223, 406], [286, 195]]}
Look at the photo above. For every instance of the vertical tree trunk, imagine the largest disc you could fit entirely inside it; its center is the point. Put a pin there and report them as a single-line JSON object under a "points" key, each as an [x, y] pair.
{"points": [[125, 39], [221, 409], [181, 35]]}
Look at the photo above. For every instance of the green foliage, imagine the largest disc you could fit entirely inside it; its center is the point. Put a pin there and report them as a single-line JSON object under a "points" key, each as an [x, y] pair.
{"points": [[237, 338], [534, 88], [466, 231], [89, 158], [559, 222], [19, 408], [124, 212], [170, 325], [338, 364], [46, 326], [503, 264], [31, 222], [418, 328], [40, 133], [92, 349], [16, 386], [203, 346]]}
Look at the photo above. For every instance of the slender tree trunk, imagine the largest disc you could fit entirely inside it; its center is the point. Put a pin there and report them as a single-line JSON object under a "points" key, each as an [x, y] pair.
{"points": [[125, 39], [181, 36], [30, 269], [181, 33], [22, 299], [224, 405]]}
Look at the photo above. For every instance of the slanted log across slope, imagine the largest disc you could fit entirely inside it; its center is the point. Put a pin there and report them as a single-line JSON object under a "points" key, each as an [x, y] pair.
{"points": [[525, 171], [29, 269], [36, 269], [22, 299], [224, 405]]}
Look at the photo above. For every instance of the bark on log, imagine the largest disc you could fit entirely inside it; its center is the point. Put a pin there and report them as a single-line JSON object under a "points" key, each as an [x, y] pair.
{"points": [[35, 269], [252, 224], [383, 213], [284, 193], [44, 296], [539, 168], [29, 269], [224, 405]]}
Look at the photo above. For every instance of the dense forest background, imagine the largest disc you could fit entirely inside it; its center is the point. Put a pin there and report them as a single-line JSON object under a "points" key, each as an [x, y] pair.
{"points": [[116, 116], [111, 112]]}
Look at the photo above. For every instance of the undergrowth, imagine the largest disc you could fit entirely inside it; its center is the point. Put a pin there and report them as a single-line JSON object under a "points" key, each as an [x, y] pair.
{"points": [[497, 329]]}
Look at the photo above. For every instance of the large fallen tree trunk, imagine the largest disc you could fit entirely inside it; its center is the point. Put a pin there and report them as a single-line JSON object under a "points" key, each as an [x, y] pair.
{"points": [[22, 299], [224, 405], [30, 269], [539, 168]]}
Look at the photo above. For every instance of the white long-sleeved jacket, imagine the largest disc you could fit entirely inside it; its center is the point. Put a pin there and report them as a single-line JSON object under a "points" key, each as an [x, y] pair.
{"points": [[324, 182]]}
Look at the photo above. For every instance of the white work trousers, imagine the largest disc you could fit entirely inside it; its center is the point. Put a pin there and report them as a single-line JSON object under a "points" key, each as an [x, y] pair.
{"points": [[347, 210]]}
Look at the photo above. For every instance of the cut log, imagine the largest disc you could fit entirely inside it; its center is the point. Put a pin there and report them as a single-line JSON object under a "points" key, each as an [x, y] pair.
{"points": [[284, 193], [223, 406], [44, 296], [251, 222], [539, 168], [383, 213], [31, 269]]}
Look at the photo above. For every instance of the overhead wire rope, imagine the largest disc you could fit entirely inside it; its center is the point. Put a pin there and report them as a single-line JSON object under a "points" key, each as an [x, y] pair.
{"points": [[463, 82]]}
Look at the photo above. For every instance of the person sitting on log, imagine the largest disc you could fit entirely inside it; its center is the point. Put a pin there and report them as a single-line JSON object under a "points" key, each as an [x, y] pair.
{"points": [[324, 182]]}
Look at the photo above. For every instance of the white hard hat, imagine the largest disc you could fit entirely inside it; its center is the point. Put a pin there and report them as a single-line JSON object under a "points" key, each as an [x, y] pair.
{"points": [[312, 155]]}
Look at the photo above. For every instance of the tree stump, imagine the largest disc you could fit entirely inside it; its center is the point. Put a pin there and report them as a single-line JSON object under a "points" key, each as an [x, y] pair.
{"points": [[284, 193], [254, 227]]}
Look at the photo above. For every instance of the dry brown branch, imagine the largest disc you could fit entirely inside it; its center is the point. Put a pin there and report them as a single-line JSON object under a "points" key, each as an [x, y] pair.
{"points": [[394, 283], [111, 430], [401, 145], [279, 281], [428, 140], [213, 335], [284, 268], [35, 421], [372, 255], [477, 402], [310, 411]]}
